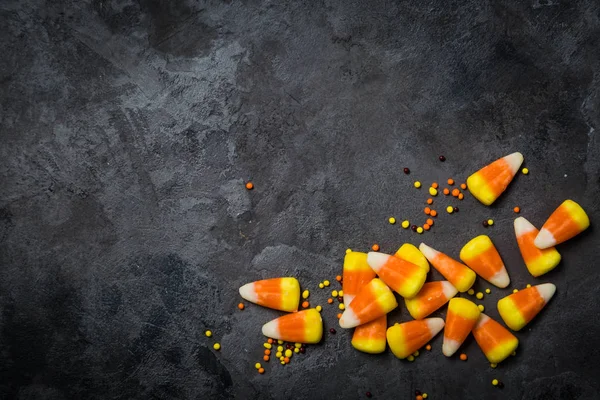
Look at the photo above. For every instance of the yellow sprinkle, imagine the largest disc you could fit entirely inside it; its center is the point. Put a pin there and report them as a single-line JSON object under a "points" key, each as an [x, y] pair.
{"points": [[305, 294], [257, 366], [280, 348], [449, 209], [529, 285], [321, 286], [416, 353], [514, 353], [288, 353], [326, 283], [283, 363], [405, 224], [481, 307], [490, 222], [515, 290], [278, 354], [417, 184], [488, 291], [267, 345], [525, 171], [433, 191], [296, 350], [348, 251], [471, 292], [479, 295], [280, 342], [297, 345], [424, 395], [282, 358], [334, 293], [392, 220], [410, 358], [493, 365], [419, 230], [216, 346], [319, 308], [208, 333], [341, 306], [495, 382], [341, 293]]}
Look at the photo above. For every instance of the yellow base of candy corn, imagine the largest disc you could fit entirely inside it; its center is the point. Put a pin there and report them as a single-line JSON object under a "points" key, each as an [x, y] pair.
{"points": [[511, 315], [411, 253], [478, 188]]}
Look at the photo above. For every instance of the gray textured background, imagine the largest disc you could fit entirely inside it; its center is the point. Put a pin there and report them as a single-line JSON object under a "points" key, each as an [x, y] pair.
{"points": [[128, 129]]}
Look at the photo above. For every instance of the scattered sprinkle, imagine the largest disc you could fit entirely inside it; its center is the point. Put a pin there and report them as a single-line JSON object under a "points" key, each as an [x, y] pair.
{"points": [[406, 171], [449, 209], [330, 301], [297, 345], [428, 347], [461, 196], [514, 353], [442, 158], [241, 306], [495, 382], [278, 355], [485, 223], [493, 365], [319, 308], [261, 370], [429, 222], [416, 353], [427, 210], [338, 278], [341, 306], [515, 290], [305, 304], [429, 201], [392, 220], [488, 291], [435, 185], [321, 286], [340, 298], [296, 350], [339, 315], [217, 346], [417, 184], [426, 227], [411, 358], [267, 352], [265, 358], [517, 210], [419, 397], [286, 360], [479, 295], [332, 331], [419, 230], [288, 353], [433, 191], [279, 349], [305, 294], [446, 191], [529, 285], [490, 222], [341, 293], [268, 345], [375, 247], [450, 181], [368, 394], [455, 209], [463, 357], [208, 333], [249, 185], [257, 365], [433, 213], [414, 228], [425, 395], [525, 171], [405, 224], [334, 293], [481, 307], [455, 192], [326, 283], [471, 292]]}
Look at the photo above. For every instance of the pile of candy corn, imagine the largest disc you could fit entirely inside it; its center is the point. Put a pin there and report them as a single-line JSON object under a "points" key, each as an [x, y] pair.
{"points": [[369, 280]]}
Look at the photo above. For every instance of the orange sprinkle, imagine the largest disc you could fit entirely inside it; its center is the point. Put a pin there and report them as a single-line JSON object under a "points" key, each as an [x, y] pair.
{"points": [[266, 358], [434, 185], [261, 370], [249, 185], [338, 278], [517, 210], [427, 210], [450, 181], [241, 306], [428, 347], [267, 352], [463, 357], [330, 301], [270, 341], [446, 191], [463, 186], [375, 247], [339, 315], [426, 227], [433, 213], [455, 192], [429, 201], [286, 360], [419, 397], [461, 196], [305, 304], [429, 221]]}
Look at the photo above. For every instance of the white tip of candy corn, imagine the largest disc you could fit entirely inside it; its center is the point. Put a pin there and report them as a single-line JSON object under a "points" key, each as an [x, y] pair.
{"points": [[271, 329], [377, 260], [348, 298], [349, 319], [450, 347], [501, 279], [428, 252], [248, 293], [482, 320], [544, 239], [514, 161], [435, 325], [546, 290], [522, 226], [449, 290]]}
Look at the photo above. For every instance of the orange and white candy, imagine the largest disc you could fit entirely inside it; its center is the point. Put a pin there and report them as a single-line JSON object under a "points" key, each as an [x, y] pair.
{"points": [[459, 275], [402, 276], [518, 309], [301, 327], [356, 274], [538, 261], [461, 318], [568, 220], [374, 300], [411, 253], [495, 341], [370, 337], [432, 296], [481, 256], [491, 181], [404, 339], [277, 293]]}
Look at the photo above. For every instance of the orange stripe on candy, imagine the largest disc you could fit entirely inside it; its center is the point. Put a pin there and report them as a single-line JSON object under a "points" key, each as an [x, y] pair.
{"points": [[487, 264], [366, 307], [396, 271], [528, 302], [456, 325], [355, 280], [491, 334], [529, 252], [269, 292], [413, 333], [447, 266], [292, 326], [561, 225], [497, 176]]}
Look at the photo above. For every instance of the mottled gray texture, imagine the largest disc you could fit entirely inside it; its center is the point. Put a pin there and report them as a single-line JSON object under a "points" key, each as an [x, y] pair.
{"points": [[128, 129]]}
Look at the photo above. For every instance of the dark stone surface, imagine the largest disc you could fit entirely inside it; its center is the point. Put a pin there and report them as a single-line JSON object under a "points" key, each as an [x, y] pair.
{"points": [[129, 127]]}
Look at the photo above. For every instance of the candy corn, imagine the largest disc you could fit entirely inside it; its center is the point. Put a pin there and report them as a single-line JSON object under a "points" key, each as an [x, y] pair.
{"points": [[410, 253], [432, 296], [519, 308], [481, 256], [461, 277], [568, 220], [461, 318], [495, 341], [277, 293], [489, 182], [357, 274], [374, 300], [404, 339], [370, 337], [538, 261], [302, 327], [402, 276]]}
